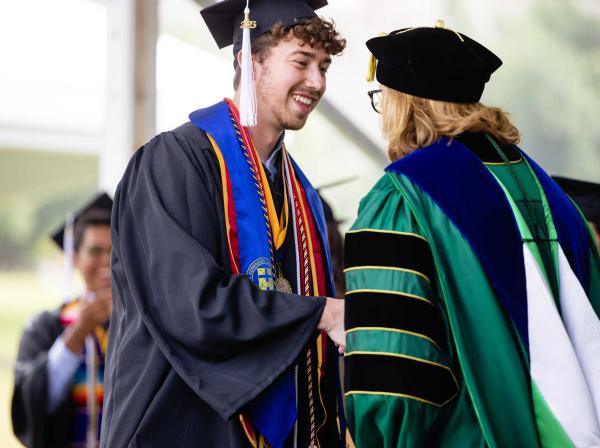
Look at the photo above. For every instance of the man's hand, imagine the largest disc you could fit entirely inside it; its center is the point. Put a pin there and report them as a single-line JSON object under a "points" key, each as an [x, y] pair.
{"points": [[92, 314], [332, 322]]}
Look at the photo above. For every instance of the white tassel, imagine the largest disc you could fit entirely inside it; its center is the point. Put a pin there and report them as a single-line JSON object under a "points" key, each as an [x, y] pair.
{"points": [[248, 90], [69, 251]]}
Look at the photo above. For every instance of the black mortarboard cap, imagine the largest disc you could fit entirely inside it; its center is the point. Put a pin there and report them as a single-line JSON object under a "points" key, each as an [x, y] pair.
{"points": [[585, 194], [435, 63], [102, 202], [224, 18]]}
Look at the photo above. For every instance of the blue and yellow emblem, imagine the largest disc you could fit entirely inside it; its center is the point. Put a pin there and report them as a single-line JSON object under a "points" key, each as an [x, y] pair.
{"points": [[261, 274]]}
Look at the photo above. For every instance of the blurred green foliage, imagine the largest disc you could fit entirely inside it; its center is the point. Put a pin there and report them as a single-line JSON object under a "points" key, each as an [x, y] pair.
{"points": [[550, 83], [37, 189]]}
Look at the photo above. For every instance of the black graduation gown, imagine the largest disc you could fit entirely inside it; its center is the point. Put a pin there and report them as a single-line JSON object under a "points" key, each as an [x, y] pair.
{"points": [[190, 344], [32, 425]]}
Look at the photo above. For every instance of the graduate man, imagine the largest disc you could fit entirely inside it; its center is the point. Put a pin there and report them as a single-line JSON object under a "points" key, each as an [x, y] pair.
{"points": [[50, 400], [222, 334]]}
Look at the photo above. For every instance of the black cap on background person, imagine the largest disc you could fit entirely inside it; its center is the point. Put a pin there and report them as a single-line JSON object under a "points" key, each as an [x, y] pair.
{"points": [[99, 205], [585, 194], [587, 197]]}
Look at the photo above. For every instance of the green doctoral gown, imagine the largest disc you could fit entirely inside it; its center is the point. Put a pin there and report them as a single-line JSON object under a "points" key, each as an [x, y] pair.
{"points": [[434, 356]]}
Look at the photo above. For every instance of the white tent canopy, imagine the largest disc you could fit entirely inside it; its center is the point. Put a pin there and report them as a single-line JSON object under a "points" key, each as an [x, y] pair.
{"points": [[85, 76]]}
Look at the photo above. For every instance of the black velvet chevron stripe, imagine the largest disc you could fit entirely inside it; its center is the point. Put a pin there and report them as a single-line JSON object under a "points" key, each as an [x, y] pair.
{"points": [[477, 143], [397, 250], [396, 375], [397, 311]]}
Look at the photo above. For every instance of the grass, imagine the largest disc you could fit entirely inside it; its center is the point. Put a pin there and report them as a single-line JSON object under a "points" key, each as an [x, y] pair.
{"points": [[22, 294]]}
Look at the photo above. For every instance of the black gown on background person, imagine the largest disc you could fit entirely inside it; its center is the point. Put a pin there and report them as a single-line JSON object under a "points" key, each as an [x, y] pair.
{"points": [[32, 424]]}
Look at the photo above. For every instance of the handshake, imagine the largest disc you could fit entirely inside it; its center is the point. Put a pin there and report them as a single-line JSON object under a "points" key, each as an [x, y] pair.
{"points": [[332, 322]]}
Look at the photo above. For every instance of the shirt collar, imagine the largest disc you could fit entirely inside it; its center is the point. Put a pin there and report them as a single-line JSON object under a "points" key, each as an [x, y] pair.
{"points": [[272, 160]]}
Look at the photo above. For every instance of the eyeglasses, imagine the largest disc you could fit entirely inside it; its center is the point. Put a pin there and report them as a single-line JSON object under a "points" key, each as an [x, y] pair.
{"points": [[375, 96]]}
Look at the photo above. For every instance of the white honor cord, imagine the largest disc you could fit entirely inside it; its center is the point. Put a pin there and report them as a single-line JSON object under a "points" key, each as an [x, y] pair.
{"points": [[293, 213], [92, 406]]}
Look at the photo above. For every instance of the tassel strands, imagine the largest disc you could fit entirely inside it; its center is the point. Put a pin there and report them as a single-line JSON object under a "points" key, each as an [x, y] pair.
{"points": [[373, 64], [69, 251], [248, 89], [371, 69]]}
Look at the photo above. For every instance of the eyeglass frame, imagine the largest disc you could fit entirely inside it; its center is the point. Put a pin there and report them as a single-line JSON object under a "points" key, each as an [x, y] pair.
{"points": [[372, 94]]}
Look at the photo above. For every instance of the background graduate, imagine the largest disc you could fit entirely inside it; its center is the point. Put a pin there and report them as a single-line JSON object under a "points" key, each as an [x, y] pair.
{"points": [[50, 404], [220, 261], [473, 284]]}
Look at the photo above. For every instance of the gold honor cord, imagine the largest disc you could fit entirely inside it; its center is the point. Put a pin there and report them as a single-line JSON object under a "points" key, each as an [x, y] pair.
{"points": [[278, 224]]}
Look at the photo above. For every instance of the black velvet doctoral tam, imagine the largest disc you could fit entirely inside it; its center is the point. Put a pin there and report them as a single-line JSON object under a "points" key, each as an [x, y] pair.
{"points": [[434, 63]]}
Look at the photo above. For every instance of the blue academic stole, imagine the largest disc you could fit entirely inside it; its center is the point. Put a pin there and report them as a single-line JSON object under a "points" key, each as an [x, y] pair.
{"points": [[273, 413]]}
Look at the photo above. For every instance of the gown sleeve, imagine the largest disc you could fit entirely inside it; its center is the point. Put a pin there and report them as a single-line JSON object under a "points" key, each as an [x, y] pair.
{"points": [[398, 372], [225, 338], [29, 402]]}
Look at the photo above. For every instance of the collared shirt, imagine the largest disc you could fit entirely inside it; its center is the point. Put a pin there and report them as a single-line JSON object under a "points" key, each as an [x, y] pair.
{"points": [[273, 169], [270, 163], [61, 368]]}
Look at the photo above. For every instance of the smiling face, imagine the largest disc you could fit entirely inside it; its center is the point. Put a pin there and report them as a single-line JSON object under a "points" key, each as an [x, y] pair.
{"points": [[93, 257], [290, 81]]}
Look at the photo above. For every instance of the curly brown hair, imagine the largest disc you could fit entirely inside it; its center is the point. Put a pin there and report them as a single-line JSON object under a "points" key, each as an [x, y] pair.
{"points": [[316, 32]]}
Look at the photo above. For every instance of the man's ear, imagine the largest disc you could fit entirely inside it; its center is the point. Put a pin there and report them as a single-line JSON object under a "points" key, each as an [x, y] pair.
{"points": [[238, 56]]}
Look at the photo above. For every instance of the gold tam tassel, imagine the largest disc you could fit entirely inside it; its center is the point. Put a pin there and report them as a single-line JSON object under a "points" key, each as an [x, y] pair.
{"points": [[371, 69], [373, 64]]}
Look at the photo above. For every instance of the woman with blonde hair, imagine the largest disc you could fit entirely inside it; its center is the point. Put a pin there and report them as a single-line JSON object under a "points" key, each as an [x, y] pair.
{"points": [[473, 285]]}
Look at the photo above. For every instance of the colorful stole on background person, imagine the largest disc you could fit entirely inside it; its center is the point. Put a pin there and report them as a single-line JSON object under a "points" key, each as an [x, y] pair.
{"points": [[254, 233], [79, 395]]}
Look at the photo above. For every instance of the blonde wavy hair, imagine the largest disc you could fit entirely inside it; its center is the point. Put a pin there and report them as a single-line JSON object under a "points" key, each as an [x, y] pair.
{"points": [[411, 122]]}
